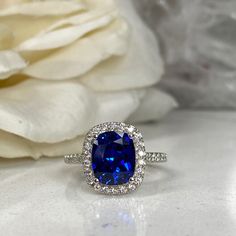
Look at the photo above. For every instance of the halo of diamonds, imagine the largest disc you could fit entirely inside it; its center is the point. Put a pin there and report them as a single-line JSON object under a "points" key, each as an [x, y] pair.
{"points": [[140, 163]]}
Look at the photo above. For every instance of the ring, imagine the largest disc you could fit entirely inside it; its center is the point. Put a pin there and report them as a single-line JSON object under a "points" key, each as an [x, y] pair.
{"points": [[114, 158]]}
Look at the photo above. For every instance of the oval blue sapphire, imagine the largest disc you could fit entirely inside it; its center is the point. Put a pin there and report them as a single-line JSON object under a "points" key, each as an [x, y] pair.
{"points": [[113, 158]]}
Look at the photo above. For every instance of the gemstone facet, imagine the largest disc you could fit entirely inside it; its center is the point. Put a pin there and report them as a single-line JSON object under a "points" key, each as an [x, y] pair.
{"points": [[113, 158]]}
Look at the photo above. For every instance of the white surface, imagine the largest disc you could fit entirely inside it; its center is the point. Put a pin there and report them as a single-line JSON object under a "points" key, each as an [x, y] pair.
{"points": [[193, 194]]}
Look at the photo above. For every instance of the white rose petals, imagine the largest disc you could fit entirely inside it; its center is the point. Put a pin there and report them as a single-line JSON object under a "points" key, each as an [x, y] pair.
{"points": [[45, 111], [65, 36], [44, 8], [117, 105], [13, 146], [10, 63], [68, 65], [153, 107], [82, 18], [135, 70], [53, 112], [80, 57], [6, 37], [141, 66]]}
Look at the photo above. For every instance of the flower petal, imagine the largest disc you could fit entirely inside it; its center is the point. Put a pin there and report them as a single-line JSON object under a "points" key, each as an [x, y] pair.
{"points": [[54, 112], [112, 106], [65, 36], [136, 69], [42, 8], [141, 66], [25, 27], [7, 3], [91, 4], [154, 106], [14, 146], [83, 55], [80, 18], [10, 63], [6, 37], [46, 112], [117, 105]]}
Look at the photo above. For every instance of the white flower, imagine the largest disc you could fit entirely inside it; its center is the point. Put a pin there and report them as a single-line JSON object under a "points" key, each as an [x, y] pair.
{"points": [[68, 65]]}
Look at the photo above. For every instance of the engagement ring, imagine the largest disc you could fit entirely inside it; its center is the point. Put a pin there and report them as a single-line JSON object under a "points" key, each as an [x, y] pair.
{"points": [[114, 158]]}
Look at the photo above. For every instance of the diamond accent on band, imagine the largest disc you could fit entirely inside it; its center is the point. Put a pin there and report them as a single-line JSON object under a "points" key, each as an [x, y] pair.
{"points": [[156, 157], [73, 158]]}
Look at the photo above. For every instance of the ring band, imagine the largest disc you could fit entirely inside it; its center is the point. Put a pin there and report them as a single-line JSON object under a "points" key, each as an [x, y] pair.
{"points": [[114, 158]]}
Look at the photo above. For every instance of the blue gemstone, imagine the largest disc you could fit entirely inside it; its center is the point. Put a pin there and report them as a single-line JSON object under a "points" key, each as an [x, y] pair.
{"points": [[113, 158]]}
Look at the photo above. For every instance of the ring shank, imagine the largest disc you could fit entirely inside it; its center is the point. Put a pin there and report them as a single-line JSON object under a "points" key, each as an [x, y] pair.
{"points": [[151, 157], [156, 157], [73, 159]]}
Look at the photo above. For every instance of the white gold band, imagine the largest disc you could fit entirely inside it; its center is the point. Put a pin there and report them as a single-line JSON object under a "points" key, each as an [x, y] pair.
{"points": [[155, 157]]}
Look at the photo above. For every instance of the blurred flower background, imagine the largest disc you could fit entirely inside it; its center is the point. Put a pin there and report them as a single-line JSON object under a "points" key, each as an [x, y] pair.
{"points": [[198, 44], [66, 65]]}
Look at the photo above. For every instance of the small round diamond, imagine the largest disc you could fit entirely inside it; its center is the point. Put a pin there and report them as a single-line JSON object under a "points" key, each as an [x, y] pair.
{"points": [[132, 187], [97, 187], [141, 162]]}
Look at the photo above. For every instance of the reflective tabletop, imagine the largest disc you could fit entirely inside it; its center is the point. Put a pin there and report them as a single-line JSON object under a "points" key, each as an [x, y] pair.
{"points": [[194, 193]]}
